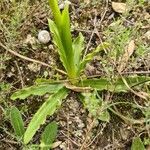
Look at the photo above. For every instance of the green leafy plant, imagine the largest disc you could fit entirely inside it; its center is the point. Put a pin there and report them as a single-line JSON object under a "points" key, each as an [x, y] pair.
{"points": [[47, 137], [96, 106], [17, 122], [48, 108], [137, 144], [70, 52]]}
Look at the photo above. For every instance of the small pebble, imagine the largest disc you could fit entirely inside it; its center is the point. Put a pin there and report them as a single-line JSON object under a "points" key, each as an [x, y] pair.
{"points": [[147, 35], [78, 133], [44, 36], [62, 5]]}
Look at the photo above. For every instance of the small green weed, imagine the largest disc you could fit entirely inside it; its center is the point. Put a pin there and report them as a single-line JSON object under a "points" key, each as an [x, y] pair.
{"points": [[70, 52], [119, 40], [10, 26], [137, 144], [48, 135]]}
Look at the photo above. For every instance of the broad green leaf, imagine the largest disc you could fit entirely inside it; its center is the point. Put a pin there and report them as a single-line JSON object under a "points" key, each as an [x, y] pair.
{"points": [[67, 42], [48, 108], [36, 90], [116, 85], [17, 122], [40, 81], [99, 84], [49, 135], [62, 36], [137, 144], [96, 106], [66, 33], [104, 116], [4, 86], [91, 55], [78, 46], [56, 12], [58, 42]]}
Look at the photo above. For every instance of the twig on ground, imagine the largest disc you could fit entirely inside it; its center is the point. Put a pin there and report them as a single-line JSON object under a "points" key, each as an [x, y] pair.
{"points": [[137, 72], [70, 139], [20, 74], [30, 59], [29, 16], [87, 134], [83, 30], [136, 93], [9, 141], [123, 73], [93, 32], [100, 132], [106, 9], [68, 142], [126, 119]]}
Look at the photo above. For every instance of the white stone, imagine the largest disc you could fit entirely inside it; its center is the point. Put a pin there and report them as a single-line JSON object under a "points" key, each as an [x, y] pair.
{"points": [[44, 36], [147, 34]]}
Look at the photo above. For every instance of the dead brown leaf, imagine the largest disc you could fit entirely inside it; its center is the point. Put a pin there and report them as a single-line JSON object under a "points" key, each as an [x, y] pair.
{"points": [[119, 7], [127, 54]]}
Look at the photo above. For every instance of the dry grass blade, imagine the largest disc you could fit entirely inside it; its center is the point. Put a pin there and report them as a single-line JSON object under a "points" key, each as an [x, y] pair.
{"points": [[87, 134], [139, 94], [119, 7], [127, 54]]}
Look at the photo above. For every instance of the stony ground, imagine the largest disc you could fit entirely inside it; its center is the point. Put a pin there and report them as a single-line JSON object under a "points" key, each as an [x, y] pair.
{"points": [[98, 20]]}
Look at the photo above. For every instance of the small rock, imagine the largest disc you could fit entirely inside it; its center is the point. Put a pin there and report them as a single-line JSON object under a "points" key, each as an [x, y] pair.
{"points": [[62, 5], [56, 144], [147, 35], [111, 16], [90, 70], [51, 46], [44, 36], [30, 40], [34, 67], [78, 133], [119, 7], [63, 146], [81, 125], [10, 74]]}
